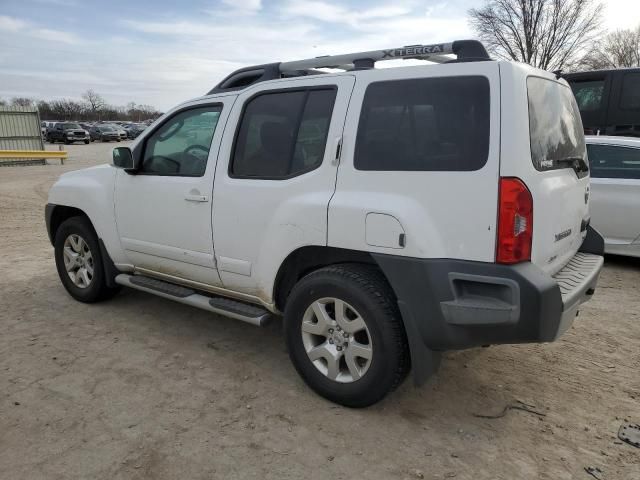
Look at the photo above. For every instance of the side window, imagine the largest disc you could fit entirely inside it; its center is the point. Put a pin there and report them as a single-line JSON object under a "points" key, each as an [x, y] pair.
{"points": [[426, 124], [609, 161], [588, 94], [181, 145], [282, 134], [630, 97]]}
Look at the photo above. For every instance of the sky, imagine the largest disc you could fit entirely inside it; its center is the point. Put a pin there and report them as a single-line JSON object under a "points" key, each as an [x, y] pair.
{"points": [[163, 52]]}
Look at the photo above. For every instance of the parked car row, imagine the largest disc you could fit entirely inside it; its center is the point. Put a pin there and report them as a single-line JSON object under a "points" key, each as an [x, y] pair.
{"points": [[71, 132]]}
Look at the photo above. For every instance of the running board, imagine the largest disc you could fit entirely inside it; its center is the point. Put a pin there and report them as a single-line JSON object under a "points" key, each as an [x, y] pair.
{"points": [[228, 307]]}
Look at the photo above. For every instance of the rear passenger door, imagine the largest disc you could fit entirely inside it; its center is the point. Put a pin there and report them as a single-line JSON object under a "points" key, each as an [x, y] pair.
{"points": [[276, 174], [615, 192]]}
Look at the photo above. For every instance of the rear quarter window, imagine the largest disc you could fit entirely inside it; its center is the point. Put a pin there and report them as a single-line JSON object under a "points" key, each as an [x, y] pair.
{"points": [[588, 94], [630, 97], [426, 124]]}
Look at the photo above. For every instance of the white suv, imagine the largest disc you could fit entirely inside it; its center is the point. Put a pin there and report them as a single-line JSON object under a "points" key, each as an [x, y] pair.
{"points": [[387, 214]]}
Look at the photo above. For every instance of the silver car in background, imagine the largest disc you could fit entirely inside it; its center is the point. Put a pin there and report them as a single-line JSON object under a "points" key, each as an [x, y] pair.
{"points": [[615, 192]]}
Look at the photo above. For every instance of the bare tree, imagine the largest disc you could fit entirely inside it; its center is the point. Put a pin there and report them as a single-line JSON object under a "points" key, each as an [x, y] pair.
{"points": [[548, 34], [95, 101], [618, 49], [22, 102]]}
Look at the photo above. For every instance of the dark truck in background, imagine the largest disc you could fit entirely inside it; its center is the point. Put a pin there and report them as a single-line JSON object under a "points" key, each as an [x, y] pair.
{"points": [[609, 100], [67, 132]]}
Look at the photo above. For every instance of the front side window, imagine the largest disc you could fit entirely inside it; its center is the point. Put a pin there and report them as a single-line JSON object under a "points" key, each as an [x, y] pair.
{"points": [[181, 145], [283, 134], [612, 161], [588, 94], [630, 97], [555, 128], [426, 124]]}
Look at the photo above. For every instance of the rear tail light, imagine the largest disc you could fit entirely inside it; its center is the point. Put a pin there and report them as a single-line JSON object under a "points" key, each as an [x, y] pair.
{"points": [[515, 221]]}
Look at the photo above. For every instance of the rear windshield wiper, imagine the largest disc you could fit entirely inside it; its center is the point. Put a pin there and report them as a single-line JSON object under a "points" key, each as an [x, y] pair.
{"points": [[577, 163]]}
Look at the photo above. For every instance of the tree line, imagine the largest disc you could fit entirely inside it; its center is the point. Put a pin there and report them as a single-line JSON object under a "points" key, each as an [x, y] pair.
{"points": [[554, 34], [92, 107]]}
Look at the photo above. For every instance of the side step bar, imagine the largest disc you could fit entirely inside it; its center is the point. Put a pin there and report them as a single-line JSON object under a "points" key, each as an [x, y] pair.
{"points": [[228, 307]]}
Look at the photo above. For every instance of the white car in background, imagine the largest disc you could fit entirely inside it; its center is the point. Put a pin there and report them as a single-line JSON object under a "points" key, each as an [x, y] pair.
{"points": [[615, 192]]}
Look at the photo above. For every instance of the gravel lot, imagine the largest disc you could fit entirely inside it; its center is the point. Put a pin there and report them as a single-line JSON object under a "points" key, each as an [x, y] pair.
{"points": [[140, 387]]}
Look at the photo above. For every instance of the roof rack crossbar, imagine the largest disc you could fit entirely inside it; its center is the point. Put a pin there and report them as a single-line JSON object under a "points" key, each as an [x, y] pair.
{"points": [[465, 51]]}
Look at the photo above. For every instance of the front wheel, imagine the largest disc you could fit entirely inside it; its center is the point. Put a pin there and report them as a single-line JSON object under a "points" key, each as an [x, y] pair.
{"points": [[79, 261], [345, 335]]}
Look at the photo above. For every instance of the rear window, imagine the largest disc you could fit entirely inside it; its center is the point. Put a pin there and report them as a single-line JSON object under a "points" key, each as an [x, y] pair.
{"points": [[612, 161], [555, 128], [426, 124]]}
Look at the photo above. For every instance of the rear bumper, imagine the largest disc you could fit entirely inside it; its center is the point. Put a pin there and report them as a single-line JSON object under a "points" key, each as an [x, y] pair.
{"points": [[454, 304]]}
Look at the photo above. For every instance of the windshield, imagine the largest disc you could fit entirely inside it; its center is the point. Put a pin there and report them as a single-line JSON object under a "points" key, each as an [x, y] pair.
{"points": [[70, 126], [106, 128], [555, 128]]}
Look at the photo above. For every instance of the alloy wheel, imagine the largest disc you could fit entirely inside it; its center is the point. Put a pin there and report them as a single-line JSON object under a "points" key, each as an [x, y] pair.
{"points": [[78, 260], [337, 340]]}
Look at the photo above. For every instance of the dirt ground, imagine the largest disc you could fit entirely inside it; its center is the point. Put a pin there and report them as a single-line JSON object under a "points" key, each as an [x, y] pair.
{"points": [[140, 387]]}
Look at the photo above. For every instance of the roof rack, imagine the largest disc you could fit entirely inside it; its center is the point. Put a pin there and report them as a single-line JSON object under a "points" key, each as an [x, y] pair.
{"points": [[465, 51]]}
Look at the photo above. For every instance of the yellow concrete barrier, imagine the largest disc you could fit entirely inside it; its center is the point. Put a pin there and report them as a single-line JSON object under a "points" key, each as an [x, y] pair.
{"points": [[19, 155], [34, 154]]}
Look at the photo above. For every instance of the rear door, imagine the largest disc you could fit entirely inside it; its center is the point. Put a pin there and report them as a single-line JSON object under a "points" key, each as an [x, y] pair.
{"points": [[615, 192], [549, 157], [275, 177]]}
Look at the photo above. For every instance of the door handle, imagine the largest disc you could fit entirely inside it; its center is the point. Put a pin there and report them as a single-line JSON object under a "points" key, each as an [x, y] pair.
{"points": [[191, 197], [336, 158]]}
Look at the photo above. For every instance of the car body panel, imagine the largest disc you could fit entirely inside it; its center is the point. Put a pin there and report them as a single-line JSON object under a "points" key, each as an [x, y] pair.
{"points": [[431, 207], [615, 203]]}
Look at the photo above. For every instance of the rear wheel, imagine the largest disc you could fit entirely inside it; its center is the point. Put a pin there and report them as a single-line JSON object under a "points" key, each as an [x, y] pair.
{"points": [[345, 335], [86, 142], [79, 261]]}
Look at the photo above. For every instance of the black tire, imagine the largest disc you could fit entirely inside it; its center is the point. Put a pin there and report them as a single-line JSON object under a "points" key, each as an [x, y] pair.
{"points": [[67, 142], [365, 289], [51, 140], [86, 142], [97, 289]]}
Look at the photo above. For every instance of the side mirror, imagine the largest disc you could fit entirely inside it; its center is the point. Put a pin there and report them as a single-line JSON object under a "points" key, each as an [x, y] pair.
{"points": [[123, 158]]}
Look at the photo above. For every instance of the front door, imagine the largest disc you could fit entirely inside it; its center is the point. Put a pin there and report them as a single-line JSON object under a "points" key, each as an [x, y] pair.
{"points": [[163, 211]]}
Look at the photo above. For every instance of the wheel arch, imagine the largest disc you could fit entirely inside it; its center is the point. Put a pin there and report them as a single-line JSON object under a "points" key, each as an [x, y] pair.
{"points": [[56, 214], [305, 260]]}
